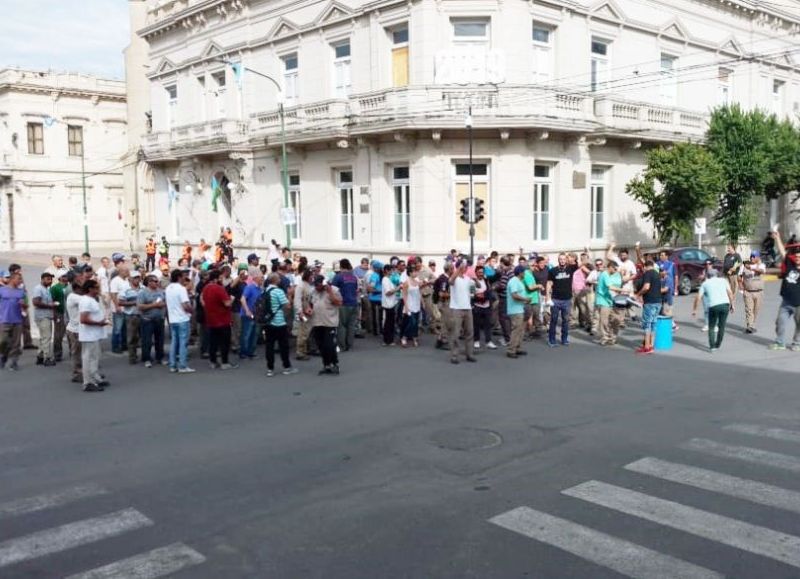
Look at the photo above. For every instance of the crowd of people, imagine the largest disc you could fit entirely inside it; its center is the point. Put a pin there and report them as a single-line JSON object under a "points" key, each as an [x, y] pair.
{"points": [[227, 307]]}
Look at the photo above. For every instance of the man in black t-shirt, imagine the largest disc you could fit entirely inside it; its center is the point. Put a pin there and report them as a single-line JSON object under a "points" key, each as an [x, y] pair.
{"points": [[441, 297], [731, 264], [650, 294], [559, 292], [790, 297]]}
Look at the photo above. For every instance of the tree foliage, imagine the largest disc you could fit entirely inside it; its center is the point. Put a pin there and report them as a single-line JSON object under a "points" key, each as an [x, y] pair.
{"points": [[680, 183]]}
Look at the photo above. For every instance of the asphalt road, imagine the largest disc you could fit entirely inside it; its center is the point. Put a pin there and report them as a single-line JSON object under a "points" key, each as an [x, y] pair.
{"points": [[407, 466]]}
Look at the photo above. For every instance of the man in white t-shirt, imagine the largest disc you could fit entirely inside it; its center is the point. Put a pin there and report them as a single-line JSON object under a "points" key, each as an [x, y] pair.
{"points": [[462, 288], [116, 290], [179, 310], [91, 332], [73, 329]]}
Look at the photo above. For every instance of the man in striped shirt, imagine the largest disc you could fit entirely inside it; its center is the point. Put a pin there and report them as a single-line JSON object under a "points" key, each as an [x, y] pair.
{"points": [[276, 328]]}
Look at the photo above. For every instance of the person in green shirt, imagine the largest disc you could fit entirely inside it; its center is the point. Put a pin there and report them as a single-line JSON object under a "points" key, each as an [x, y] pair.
{"points": [[58, 292], [609, 284], [532, 291]]}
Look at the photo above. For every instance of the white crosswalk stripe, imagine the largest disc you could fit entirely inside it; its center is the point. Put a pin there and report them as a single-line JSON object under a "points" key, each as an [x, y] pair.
{"points": [[765, 431], [71, 535], [50, 500], [749, 490], [150, 565], [744, 453], [734, 533], [619, 555]]}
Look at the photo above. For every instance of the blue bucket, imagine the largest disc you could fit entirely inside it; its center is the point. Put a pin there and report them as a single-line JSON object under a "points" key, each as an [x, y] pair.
{"points": [[663, 340]]}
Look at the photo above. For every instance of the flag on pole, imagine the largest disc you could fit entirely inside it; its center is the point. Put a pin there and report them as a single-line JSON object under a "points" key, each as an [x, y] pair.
{"points": [[216, 191], [237, 72]]}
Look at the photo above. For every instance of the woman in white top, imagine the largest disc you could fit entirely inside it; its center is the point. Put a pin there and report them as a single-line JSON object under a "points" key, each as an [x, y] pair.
{"points": [[412, 304], [388, 304]]}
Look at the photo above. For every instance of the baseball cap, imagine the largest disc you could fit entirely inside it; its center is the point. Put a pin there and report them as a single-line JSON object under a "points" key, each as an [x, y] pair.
{"points": [[4, 273], [755, 253], [46, 274], [115, 257], [520, 269], [136, 273], [242, 267], [252, 256], [532, 255]]}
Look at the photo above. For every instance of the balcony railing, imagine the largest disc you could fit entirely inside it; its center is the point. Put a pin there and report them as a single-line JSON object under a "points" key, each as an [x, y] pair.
{"points": [[413, 108]]}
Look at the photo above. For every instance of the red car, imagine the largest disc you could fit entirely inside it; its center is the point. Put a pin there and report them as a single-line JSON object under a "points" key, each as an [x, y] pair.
{"points": [[690, 263]]}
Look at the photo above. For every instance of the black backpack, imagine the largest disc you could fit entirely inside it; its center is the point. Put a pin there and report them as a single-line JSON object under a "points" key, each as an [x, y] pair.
{"points": [[264, 312]]}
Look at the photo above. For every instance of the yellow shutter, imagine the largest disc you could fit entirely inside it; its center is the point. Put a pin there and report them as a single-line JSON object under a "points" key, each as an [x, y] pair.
{"points": [[400, 66], [479, 191]]}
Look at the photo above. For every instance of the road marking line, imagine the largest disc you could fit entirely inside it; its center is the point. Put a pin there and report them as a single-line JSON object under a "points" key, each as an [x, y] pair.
{"points": [[765, 431], [70, 535], [744, 453], [748, 490], [155, 563], [47, 501], [617, 554], [731, 532]]}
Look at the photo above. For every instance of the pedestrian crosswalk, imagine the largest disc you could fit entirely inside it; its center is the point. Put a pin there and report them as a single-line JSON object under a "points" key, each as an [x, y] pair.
{"points": [[648, 561], [69, 535]]}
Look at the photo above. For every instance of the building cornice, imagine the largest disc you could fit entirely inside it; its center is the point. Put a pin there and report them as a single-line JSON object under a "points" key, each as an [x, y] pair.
{"points": [[58, 92]]}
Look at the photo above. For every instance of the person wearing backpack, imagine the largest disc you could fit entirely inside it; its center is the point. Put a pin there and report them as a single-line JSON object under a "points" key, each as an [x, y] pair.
{"points": [[275, 308]]}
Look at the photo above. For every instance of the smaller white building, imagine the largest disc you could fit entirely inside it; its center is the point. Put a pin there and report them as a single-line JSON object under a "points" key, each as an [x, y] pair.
{"points": [[56, 128]]}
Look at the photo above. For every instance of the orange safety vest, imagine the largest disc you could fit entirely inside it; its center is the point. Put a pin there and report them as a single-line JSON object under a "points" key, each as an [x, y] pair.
{"points": [[150, 248]]}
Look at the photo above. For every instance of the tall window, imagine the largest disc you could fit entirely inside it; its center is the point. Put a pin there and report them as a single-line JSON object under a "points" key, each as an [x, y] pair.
{"points": [[542, 54], [220, 89], [471, 32], [290, 69], [172, 104], [599, 66], [344, 183], [542, 186], [402, 204], [296, 229], [400, 56], [35, 139], [724, 86], [75, 140], [341, 69], [669, 82], [777, 96], [598, 191]]}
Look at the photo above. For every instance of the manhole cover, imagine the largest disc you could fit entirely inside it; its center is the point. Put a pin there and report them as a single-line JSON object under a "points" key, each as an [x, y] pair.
{"points": [[466, 439]]}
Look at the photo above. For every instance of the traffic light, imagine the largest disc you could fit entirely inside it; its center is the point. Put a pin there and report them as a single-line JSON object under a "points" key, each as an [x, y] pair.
{"points": [[465, 210], [479, 210]]}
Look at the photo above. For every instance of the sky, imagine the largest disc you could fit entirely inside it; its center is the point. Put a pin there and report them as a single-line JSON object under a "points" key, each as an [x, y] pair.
{"points": [[72, 35]]}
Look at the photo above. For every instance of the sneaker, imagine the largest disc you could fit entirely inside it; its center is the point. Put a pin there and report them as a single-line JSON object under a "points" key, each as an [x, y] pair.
{"points": [[173, 370], [148, 364], [230, 366], [213, 365], [795, 347], [491, 346], [290, 371], [270, 373], [477, 345], [93, 388], [511, 355], [14, 367], [502, 342], [777, 347], [471, 359], [704, 329], [565, 343], [186, 370], [552, 344], [325, 370], [712, 350], [163, 363]]}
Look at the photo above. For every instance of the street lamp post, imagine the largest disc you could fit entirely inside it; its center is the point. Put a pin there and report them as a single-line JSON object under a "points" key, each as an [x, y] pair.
{"points": [[85, 210], [468, 123], [284, 158]]}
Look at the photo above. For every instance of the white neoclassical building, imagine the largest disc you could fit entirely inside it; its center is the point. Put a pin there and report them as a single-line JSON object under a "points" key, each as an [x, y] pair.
{"points": [[566, 97], [48, 122]]}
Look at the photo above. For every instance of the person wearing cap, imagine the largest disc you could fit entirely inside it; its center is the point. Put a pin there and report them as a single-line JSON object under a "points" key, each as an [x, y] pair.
{"points": [[163, 249], [59, 291], [12, 304], [325, 301], [276, 329], [129, 300], [116, 288], [719, 296], [151, 303], [236, 290], [43, 313], [252, 265], [217, 306], [752, 284], [516, 301]]}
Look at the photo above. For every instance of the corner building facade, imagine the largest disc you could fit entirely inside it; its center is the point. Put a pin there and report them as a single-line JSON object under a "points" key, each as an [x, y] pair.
{"points": [[565, 99]]}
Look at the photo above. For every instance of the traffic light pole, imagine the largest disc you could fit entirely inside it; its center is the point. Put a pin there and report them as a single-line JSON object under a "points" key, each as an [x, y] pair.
{"points": [[471, 193]]}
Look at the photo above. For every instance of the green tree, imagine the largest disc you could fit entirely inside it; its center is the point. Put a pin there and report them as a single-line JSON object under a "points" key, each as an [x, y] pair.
{"points": [[760, 159], [678, 184]]}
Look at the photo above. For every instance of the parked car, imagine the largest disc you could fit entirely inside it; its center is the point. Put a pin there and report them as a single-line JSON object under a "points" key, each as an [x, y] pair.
{"points": [[690, 263]]}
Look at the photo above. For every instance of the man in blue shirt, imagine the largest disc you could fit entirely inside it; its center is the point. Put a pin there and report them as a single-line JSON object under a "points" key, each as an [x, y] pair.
{"points": [[516, 299], [669, 281], [249, 337], [347, 284], [12, 303], [276, 328]]}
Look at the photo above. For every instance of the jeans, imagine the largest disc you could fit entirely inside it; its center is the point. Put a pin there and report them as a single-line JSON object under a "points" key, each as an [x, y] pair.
{"points": [[247, 340], [279, 334], [347, 326], [179, 342], [220, 339], [717, 318], [562, 308], [153, 334], [411, 325], [785, 313], [118, 341]]}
